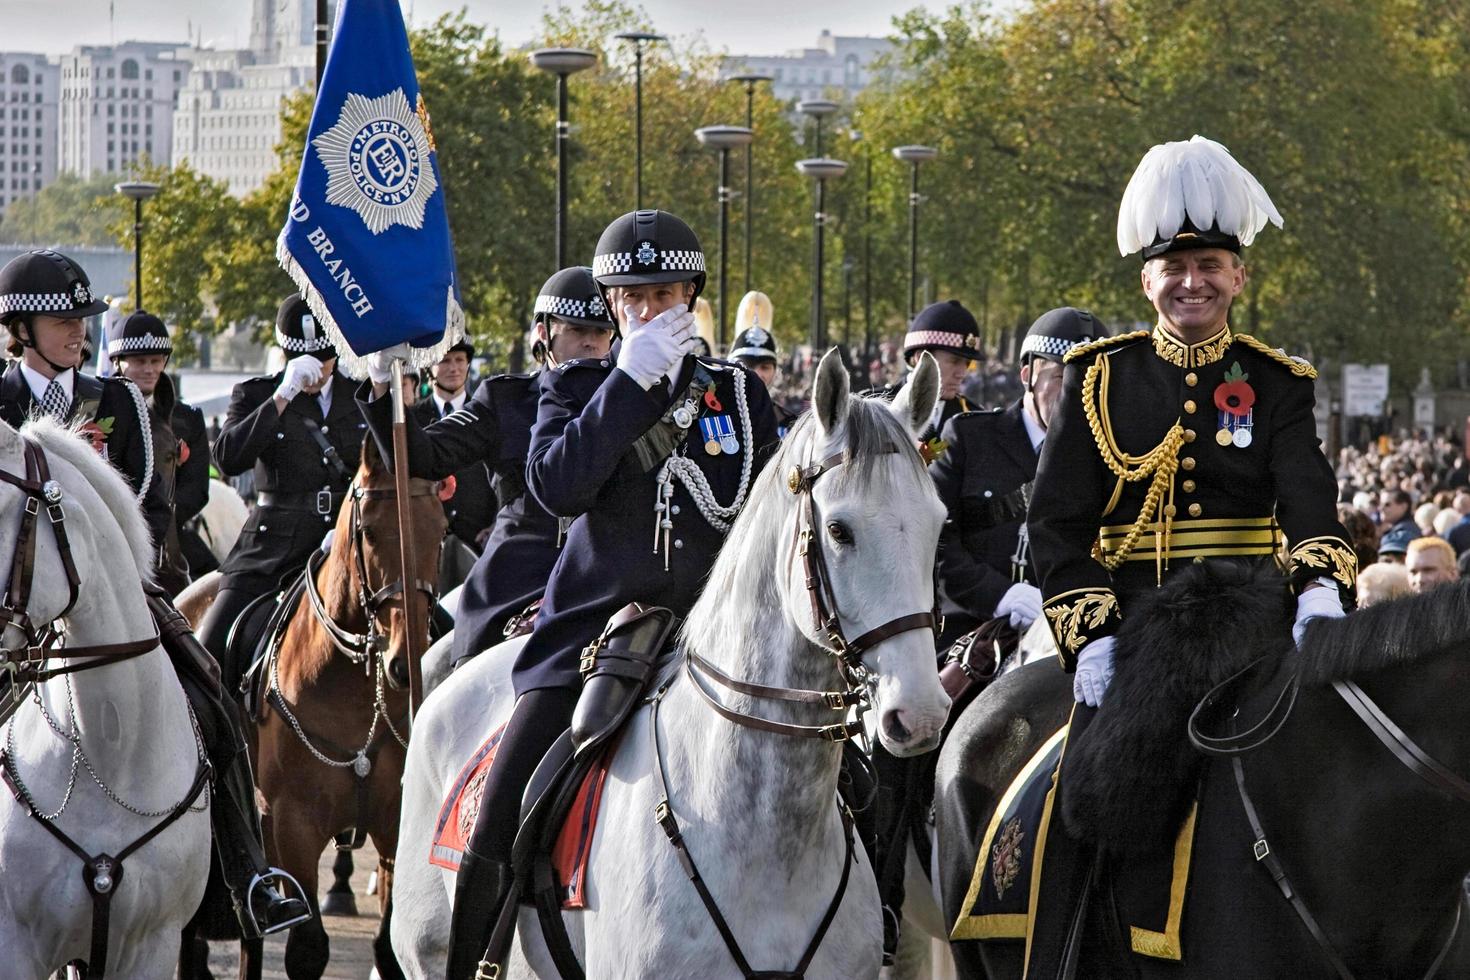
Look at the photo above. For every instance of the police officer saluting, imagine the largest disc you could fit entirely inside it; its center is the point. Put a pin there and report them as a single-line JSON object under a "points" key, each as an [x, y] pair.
{"points": [[493, 428], [140, 352], [301, 432], [984, 477], [44, 296], [755, 348], [660, 449]]}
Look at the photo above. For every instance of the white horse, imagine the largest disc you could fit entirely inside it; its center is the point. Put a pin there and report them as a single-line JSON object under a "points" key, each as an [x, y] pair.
{"points": [[106, 751], [222, 518], [758, 810]]}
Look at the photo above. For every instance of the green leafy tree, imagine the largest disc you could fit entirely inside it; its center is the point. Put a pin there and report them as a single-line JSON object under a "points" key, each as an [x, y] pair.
{"points": [[69, 211]]}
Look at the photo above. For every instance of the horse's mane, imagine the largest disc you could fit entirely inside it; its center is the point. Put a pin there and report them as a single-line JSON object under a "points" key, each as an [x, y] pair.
{"points": [[870, 430], [117, 496], [1387, 634]]}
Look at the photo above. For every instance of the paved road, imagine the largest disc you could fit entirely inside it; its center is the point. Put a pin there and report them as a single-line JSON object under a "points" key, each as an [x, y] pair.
{"points": [[352, 954]]}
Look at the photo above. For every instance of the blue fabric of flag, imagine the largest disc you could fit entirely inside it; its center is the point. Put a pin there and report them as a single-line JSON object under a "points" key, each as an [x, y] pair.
{"points": [[367, 235]]}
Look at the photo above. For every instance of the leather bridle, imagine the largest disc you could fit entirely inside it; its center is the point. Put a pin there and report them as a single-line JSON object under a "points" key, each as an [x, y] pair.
{"points": [[361, 647], [807, 545], [1234, 746], [27, 664]]}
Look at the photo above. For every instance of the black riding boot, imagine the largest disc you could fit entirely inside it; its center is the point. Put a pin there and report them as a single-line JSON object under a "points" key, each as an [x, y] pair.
{"points": [[480, 891]]}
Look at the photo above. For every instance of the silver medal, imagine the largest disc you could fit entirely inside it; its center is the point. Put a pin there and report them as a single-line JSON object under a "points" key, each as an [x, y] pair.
{"points": [[1242, 438], [729, 445]]}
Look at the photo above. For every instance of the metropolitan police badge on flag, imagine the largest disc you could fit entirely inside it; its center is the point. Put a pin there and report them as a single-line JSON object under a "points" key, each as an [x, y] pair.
{"points": [[367, 236]]}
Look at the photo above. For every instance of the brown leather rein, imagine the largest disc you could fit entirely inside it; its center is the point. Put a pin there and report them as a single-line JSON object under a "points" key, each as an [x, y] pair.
{"points": [[27, 664], [825, 614]]}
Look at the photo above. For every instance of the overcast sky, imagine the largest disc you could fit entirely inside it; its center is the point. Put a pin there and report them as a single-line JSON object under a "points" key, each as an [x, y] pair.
{"points": [[740, 27]]}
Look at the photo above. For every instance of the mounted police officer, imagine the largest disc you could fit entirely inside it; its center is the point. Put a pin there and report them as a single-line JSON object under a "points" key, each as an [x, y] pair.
{"points": [[985, 476], [755, 347], [493, 428], [140, 351], [1185, 442], [660, 448], [948, 331], [302, 433], [44, 296]]}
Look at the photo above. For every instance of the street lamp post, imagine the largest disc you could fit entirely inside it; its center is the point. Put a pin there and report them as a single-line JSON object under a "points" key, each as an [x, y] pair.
{"points": [[750, 81], [724, 139], [817, 109], [137, 191], [639, 38], [562, 62], [914, 155], [821, 170]]}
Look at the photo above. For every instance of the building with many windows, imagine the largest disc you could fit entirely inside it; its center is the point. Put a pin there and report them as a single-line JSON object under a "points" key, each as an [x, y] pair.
{"points": [[29, 87], [841, 66], [117, 105]]}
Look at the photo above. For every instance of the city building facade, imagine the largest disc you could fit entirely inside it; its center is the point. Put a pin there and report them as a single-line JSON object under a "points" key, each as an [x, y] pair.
{"points": [[117, 105], [838, 66], [30, 86]]}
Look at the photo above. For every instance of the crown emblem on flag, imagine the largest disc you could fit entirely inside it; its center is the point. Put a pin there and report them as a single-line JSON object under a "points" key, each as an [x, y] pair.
{"points": [[377, 161]]}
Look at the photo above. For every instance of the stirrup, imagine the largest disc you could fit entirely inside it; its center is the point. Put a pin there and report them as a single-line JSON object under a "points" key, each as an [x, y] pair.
{"points": [[292, 890]]}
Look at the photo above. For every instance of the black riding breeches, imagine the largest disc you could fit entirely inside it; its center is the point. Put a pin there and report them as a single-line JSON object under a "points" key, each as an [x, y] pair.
{"points": [[214, 631], [538, 719]]}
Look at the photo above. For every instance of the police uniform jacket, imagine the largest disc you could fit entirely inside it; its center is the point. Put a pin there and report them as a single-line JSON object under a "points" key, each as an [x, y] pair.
{"points": [[583, 465], [472, 508], [492, 429], [122, 423], [983, 476], [191, 486], [299, 487], [1144, 471], [785, 418]]}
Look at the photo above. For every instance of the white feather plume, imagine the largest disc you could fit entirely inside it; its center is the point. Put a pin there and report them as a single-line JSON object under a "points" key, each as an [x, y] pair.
{"points": [[1199, 181]]}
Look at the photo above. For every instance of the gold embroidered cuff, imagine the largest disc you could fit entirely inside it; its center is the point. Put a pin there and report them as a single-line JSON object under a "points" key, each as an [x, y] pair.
{"points": [[1080, 616], [1325, 555]]}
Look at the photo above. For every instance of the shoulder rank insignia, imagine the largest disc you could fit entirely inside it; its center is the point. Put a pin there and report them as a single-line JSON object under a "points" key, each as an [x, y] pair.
{"points": [[1088, 349], [1298, 366]]}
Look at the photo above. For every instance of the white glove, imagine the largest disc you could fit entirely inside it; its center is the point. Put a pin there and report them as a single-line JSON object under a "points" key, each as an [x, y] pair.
{"points": [[1022, 602], [652, 350], [380, 363], [326, 546], [1094, 672], [1312, 603], [301, 370]]}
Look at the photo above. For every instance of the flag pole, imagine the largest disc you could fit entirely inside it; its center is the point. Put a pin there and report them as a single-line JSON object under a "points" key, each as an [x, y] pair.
{"points": [[415, 628]]}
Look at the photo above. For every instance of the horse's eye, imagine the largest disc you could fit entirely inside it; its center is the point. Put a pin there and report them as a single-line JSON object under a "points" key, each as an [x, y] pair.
{"points": [[839, 532]]}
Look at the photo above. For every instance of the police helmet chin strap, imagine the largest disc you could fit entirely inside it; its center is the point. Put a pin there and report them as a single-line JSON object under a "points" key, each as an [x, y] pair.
{"points": [[28, 340]]}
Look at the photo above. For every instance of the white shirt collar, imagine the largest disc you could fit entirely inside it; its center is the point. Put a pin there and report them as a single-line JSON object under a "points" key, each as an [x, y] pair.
{"points": [[38, 382], [455, 403], [324, 399], [1034, 431]]}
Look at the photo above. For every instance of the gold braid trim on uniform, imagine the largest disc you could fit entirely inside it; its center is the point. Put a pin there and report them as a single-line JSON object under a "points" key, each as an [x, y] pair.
{"points": [[1329, 554], [1093, 346], [1071, 621], [1160, 463], [1183, 355], [1296, 365]]}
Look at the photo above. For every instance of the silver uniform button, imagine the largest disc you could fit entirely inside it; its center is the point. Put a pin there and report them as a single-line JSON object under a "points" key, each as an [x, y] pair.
{"points": [[678, 543]]}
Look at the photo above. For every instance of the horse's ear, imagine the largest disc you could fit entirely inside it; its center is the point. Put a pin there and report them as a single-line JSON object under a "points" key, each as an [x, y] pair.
{"points": [[372, 460], [916, 399], [830, 392]]}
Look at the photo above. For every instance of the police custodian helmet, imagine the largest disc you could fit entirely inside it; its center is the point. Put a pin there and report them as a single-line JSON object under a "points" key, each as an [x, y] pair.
{"points": [[1057, 331], [298, 332], [140, 333], [648, 247], [753, 338], [46, 282]]}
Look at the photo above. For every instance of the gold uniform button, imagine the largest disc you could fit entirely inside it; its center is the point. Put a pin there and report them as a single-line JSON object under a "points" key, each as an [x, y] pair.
{"points": [[1189, 486], [1189, 435], [1169, 510], [1191, 379], [1189, 407], [1187, 462], [1195, 510]]}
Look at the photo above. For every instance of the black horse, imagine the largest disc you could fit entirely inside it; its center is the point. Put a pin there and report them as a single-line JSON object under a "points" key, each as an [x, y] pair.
{"points": [[1376, 853]]}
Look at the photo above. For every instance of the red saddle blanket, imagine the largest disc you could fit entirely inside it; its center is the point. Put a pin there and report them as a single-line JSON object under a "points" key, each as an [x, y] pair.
{"points": [[573, 843]]}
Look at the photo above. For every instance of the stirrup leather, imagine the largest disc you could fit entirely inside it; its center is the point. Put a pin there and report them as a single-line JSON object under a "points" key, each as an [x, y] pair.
{"points": [[291, 889]]}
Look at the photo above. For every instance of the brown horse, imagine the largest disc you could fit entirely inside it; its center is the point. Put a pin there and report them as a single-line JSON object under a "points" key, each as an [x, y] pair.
{"points": [[332, 705]]}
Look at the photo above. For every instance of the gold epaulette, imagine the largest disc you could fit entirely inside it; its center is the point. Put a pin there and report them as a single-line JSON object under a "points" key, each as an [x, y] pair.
{"points": [[1092, 346], [1296, 365]]}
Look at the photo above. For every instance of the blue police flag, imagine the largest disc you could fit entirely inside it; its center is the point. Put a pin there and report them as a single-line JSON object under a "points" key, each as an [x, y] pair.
{"points": [[367, 237]]}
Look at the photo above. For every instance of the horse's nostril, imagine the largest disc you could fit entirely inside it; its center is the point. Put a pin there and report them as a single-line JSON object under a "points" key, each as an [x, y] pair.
{"points": [[894, 727]]}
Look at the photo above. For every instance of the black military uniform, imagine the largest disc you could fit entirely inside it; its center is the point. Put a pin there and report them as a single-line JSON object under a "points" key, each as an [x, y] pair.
{"points": [[945, 326], [50, 284], [180, 451], [494, 429], [303, 461], [472, 508], [984, 478], [603, 451], [755, 345]]}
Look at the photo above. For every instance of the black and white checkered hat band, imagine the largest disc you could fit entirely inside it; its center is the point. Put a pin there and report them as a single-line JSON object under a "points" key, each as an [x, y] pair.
{"points": [[144, 344], [297, 345], [1047, 346], [672, 260], [39, 302], [563, 306]]}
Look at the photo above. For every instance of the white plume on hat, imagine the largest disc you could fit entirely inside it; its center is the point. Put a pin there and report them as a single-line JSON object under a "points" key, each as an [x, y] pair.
{"points": [[1199, 180]]}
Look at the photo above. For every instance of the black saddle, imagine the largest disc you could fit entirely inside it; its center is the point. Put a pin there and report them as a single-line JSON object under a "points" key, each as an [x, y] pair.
{"points": [[255, 634]]}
